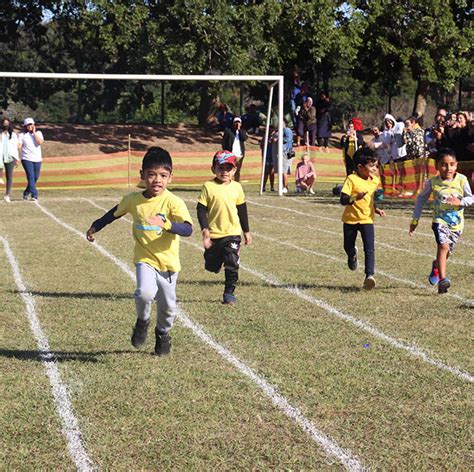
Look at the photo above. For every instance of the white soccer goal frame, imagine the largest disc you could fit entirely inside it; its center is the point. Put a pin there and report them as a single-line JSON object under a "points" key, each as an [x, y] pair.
{"points": [[273, 79]]}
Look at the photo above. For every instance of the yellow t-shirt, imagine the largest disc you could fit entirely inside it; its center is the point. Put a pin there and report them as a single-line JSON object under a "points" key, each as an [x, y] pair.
{"points": [[361, 211], [154, 245], [221, 201]]}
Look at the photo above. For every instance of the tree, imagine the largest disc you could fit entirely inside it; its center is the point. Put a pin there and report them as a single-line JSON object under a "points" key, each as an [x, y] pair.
{"points": [[431, 38]]}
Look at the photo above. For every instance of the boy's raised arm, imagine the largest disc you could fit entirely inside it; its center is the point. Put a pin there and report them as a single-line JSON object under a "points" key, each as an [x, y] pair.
{"points": [[100, 223]]}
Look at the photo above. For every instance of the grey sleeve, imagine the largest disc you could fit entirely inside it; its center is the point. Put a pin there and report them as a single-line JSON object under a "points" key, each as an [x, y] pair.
{"points": [[422, 199], [468, 198]]}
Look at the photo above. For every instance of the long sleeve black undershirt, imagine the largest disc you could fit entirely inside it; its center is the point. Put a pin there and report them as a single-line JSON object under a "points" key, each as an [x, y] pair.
{"points": [[345, 199], [241, 210], [181, 229]]}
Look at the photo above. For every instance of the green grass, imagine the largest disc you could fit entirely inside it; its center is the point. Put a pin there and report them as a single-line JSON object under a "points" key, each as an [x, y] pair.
{"points": [[193, 410]]}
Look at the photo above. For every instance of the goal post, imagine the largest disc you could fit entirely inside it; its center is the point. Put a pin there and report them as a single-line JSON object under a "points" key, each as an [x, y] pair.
{"points": [[274, 80]]}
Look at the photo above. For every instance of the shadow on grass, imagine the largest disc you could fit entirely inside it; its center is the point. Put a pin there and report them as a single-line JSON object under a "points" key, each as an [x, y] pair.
{"points": [[220, 281], [61, 356], [79, 295]]}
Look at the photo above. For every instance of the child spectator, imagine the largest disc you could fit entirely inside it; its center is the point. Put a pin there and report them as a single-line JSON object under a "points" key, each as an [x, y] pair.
{"points": [[451, 192], [357, 195], [305, 175], [159, 218], [222, 214]]}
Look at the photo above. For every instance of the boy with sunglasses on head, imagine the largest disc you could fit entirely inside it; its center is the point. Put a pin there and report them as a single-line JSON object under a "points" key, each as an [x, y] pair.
{"points": [[222, 214], [451, 192], [357, 196], [159, 218]]}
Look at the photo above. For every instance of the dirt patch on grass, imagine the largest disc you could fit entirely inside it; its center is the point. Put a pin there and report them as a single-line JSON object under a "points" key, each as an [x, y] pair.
{"points": [[79, 140]]}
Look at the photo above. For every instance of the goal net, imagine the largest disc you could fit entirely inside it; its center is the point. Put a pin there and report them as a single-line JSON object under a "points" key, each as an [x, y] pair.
{"points": [[102, 155]]}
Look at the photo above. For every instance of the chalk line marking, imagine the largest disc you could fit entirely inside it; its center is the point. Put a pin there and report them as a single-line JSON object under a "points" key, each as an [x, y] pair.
{"points": [[410, 348], [62, 401], [327, 218], [330, 447]]}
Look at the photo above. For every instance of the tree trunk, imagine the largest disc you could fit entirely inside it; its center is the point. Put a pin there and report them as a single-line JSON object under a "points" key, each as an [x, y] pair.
{"points": [[207, 106], [421, 96]]}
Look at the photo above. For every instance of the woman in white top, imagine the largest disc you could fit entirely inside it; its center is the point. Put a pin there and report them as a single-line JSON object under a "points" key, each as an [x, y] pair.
{"points": [[9, 159], [30, 145]]}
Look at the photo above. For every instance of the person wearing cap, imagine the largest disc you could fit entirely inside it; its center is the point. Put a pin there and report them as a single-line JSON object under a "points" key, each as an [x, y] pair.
{"points": [[30, 141], [234, 140], [222, 215]]}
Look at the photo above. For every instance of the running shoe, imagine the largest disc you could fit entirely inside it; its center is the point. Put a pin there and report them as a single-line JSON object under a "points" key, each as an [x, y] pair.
{"points": [[443, 285], [369, 283], [433, 278]]}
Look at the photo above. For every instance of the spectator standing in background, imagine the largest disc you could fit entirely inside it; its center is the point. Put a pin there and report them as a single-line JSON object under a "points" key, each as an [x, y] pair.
{"points": [[323, 117], [234, 141], [295, 89], [350, 143], [413, 136], [307, 124], [224, 117], [10, 156], [30, 144]]}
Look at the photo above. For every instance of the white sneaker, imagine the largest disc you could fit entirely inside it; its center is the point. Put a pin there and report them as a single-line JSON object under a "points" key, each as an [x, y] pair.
{"points": [[2, 181], [311, 191], [7, 198], [285, 190], [369, 283]]}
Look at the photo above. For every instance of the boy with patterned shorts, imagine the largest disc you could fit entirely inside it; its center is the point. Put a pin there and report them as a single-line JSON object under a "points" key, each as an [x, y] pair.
{"points": [[451, 192], [159, 218], [222, 214]]}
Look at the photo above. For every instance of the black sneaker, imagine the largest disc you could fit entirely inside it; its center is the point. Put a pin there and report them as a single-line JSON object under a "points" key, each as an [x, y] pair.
{"points": [[229, 299], [162, 344], [139, 334], [352, 260]]}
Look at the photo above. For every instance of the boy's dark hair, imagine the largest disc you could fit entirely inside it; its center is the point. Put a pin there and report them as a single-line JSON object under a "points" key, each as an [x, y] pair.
{"points": [[157, 157], [363, 156], [440, 153]]}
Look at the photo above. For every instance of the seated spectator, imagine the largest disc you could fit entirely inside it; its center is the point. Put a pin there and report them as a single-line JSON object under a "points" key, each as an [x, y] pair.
{"points": [[224, 117], [350, 142], [251, 119], [305, 175]]}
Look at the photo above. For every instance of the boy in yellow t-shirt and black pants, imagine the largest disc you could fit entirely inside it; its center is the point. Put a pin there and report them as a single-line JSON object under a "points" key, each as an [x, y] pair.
{"points": [[222, 214], [357, 195], [159, 219]]}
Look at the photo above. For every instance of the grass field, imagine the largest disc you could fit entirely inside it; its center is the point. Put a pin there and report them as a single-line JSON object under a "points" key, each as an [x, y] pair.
{"points": [[306, 372]]}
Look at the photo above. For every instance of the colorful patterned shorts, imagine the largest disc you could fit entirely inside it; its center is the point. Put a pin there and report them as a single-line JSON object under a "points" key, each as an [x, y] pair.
{"points": [[444, 235]]}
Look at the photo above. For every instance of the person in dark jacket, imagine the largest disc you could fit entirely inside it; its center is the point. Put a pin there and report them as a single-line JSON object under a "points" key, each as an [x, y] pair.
{"points": [[323, 116], [350, 143], [234, 140]]}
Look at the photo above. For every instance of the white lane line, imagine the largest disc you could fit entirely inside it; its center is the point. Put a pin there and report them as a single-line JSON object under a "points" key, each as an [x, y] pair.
{"points": [[331, 448], [377, 243], [410, 348], [327, 218], [466, 301], [62, 401]]}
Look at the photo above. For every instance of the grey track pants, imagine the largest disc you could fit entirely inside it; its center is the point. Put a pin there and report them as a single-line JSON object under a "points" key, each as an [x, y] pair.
{"points": [[153, 284]]}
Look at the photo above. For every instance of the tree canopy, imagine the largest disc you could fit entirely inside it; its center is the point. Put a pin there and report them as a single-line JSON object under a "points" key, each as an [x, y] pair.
{"points": [[360, 50]]}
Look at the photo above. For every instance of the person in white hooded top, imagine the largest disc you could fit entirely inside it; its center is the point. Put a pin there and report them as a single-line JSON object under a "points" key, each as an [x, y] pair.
{"points": [[393, 134]]}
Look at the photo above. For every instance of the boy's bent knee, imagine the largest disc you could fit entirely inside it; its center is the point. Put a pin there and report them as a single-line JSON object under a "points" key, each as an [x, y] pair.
{"points": [[145, 296]]}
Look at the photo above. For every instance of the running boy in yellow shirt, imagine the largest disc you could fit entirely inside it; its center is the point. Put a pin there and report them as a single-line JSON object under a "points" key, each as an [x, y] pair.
{"points": [[357, 195], [159, 218], [222, 214]]}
